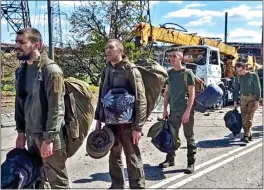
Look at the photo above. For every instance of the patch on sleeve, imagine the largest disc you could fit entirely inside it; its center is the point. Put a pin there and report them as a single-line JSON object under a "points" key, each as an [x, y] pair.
{"points": [[58, 83]]}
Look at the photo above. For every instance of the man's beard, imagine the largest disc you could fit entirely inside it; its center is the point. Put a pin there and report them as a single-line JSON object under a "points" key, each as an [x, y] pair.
{"points": [[24, 57]]}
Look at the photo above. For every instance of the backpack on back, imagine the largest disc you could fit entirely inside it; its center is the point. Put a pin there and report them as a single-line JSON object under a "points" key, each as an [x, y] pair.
{"points": [[79, 113], [154, 77], [199, 84]]}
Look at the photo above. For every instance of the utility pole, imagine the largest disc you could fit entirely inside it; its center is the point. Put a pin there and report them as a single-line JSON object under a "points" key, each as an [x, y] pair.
{"points": [[262, 43], [226, 17], [50, 29]]}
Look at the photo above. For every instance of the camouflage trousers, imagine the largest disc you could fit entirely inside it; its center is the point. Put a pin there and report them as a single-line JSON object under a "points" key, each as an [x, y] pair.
{"points": [[136, 176], [248, 108], [53, 170], [176, 119]]}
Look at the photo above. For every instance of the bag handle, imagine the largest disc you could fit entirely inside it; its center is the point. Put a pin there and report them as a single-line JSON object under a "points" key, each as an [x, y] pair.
{"points": [[117, 90]]}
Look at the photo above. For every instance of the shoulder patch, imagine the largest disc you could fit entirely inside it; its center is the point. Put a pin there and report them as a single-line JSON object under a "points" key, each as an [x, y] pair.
{"points": [[58, 83]]}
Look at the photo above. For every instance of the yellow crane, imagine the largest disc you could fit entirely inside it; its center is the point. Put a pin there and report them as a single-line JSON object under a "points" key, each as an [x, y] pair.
{"points": [[145, 33]]}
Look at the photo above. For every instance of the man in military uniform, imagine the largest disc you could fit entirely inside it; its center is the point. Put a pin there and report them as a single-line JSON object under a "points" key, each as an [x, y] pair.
{"points": [[118, 73], [247, 84], [39, 110], [181, 107]]}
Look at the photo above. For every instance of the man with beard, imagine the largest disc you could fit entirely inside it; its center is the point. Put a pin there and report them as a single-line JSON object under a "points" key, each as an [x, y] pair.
{"points": [[39, 110], [181, 101], [118, 74]]}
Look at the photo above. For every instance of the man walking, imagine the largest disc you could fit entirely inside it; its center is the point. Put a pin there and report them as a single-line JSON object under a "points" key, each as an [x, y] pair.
{"points": [[181, 107], [247, 84], [118, 74], [39, 110]]}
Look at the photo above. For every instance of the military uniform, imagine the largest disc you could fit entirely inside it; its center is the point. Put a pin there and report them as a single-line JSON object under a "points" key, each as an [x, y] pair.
{"points": [[178, 104], [41, 121], [122, 76], [248, 86]]}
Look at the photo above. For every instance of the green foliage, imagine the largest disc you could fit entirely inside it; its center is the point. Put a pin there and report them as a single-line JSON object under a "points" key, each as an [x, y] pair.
{"points": [[92, 24], [8, 88]]}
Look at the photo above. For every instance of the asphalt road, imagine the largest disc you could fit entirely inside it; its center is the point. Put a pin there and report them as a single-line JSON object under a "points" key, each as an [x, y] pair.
{"points": [[222, 161]]}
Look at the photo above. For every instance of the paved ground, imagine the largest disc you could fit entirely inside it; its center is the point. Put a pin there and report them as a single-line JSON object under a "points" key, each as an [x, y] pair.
{"points": [[222, 161]]}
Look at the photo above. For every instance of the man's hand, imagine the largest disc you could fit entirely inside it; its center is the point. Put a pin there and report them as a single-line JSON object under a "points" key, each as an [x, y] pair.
{"points": [[136, 136], [21, 140], [98, 125], [186, 116], [46, 149], [165, 114]]}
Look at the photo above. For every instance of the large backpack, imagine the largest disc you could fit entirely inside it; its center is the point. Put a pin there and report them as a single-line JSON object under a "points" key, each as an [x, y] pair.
{"points": [[199, 84], [204, 97], [79, 113], [154, 77]]}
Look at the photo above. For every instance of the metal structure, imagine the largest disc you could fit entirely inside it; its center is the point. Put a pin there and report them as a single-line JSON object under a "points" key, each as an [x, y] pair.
{"points": [[16, 13], [56, 18]]}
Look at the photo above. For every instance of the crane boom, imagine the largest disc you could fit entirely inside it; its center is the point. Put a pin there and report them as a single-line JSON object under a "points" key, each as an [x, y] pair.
{"points": [[145, 33]]}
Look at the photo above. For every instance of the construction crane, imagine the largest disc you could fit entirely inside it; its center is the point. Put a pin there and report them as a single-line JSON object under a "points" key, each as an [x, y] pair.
{"points": [[145, 33], [211, 60]]}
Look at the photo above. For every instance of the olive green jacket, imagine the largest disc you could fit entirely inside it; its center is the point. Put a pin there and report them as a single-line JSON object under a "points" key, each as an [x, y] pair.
{"points": [[45, 115]]}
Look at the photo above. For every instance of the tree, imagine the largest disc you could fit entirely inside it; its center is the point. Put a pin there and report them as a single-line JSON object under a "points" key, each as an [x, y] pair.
{"points": [[93, 23]]}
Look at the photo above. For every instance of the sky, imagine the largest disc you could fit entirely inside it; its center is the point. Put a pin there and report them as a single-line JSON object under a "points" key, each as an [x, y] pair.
{"points": [[206, 18]]}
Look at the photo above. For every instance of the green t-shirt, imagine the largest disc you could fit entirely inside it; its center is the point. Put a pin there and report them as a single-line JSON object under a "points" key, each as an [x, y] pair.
{"points": [[248, 84], [177, 89]]}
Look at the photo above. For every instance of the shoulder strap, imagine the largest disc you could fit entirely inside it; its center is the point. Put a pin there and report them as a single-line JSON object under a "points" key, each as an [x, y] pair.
{"points": [[186, 71], [43, 95], [238, 79], [130, 68]]}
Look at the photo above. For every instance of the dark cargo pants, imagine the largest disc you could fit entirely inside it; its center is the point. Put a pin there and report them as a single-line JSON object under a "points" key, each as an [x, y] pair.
{"points": [[248, 108], [176, 119], [53, 171], [136, 176]]}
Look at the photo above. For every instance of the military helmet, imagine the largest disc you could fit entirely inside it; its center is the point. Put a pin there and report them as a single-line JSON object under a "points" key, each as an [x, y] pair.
{"points": [[99, 142]]}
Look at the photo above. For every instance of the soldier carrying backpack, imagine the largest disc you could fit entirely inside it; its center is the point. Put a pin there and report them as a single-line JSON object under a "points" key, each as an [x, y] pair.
{"points": [[43, 131], [180, 96], [52, 113], [122, 106]]}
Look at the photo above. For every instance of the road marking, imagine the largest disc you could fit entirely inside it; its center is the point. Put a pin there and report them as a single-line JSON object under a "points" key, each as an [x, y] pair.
{"points": [[173, 178], [181, 183]]}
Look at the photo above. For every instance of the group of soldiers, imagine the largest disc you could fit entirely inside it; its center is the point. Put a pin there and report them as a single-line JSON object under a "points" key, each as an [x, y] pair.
{"points": [[42, 130]]}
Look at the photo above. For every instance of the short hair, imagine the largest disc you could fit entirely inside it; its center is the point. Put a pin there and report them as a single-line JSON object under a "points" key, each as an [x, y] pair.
{"points": [[241, 64], [33, 35], [119, 44], [179, 52]]}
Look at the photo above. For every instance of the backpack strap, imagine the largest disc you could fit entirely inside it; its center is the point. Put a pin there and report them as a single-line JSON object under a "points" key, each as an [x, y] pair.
{"points": [[42, 94], [238, 79], [186, 71]]}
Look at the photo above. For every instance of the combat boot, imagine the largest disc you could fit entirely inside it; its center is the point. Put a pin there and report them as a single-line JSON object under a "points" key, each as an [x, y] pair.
{"points": [[245, 139], [250, 137], [168, 162], [189, 169]]}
